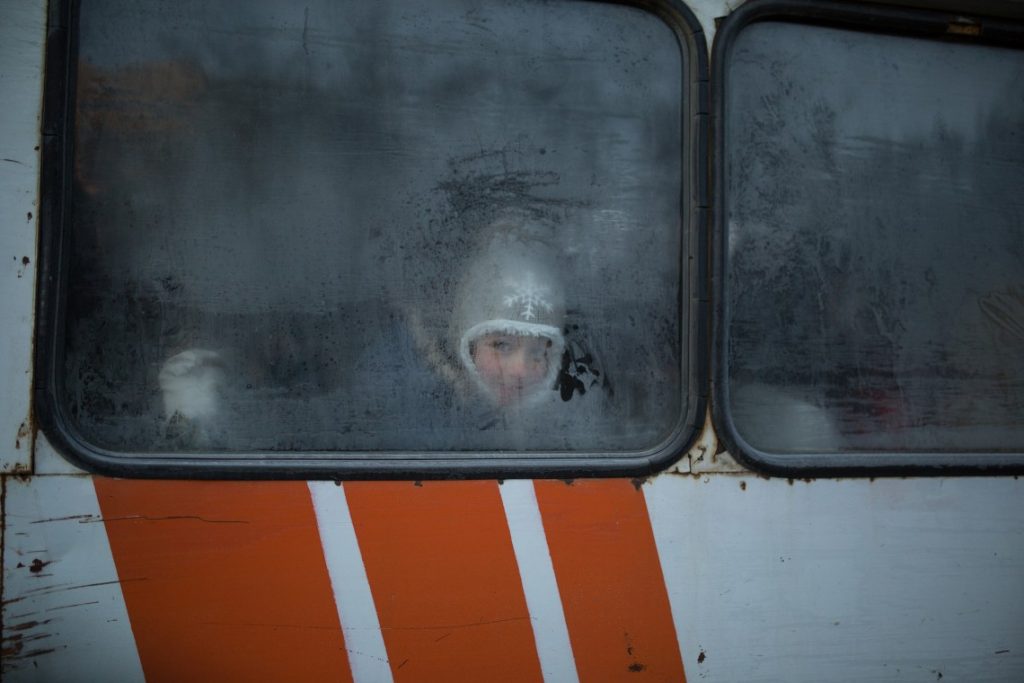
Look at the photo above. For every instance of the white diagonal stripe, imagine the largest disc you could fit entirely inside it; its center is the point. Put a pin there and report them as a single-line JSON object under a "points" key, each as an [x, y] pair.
{"points": [[539, 585], [356, 610]]}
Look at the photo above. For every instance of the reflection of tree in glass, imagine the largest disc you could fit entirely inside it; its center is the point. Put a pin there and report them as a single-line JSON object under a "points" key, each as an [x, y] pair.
{"points": [[853, 276], [1005, 309]]}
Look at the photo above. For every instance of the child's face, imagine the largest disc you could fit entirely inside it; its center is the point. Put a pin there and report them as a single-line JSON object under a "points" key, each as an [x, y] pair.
{"points": [[511, 365]]}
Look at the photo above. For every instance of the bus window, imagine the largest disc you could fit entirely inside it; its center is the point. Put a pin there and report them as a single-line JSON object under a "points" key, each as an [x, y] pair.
{"points": [[377, 236], [871, 240]]}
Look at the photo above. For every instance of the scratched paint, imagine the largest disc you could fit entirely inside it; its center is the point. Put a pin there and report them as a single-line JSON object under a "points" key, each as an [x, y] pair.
{"points": [[21, 51], [64, 614], [902, 580]]}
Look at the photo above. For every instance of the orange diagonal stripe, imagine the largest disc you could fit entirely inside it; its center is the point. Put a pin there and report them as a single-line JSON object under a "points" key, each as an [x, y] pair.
{"points": [[224, 581], [609, 577], [444, 578]]}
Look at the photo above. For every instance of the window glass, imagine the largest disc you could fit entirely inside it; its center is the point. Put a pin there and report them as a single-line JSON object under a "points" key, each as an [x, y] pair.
{"points": [[374, 226], [874, 228]]}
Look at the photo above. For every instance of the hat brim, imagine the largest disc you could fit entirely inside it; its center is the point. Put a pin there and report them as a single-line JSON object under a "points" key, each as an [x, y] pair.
{"points": [[517, 328]]}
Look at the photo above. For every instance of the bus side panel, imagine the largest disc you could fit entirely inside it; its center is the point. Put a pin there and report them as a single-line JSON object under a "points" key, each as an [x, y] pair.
{"points": [[848, 580], [844, 580]]}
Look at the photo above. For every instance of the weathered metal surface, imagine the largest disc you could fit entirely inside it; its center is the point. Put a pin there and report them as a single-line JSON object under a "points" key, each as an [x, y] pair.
{"points": [[64, 617], [844, 580], [766, 580], [46, 459], [21, 58], [709, 455]]}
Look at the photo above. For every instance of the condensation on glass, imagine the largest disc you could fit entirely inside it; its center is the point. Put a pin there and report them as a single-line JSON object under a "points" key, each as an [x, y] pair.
{"points": [[875, 242], [375, 226]]}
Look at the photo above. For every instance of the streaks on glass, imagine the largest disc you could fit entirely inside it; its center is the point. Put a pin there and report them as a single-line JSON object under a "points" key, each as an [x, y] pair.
{"points": [[276, 209], [875, 242]]}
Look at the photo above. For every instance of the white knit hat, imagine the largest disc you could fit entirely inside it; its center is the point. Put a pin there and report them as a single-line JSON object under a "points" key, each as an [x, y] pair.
{"points": [[511, 287]]}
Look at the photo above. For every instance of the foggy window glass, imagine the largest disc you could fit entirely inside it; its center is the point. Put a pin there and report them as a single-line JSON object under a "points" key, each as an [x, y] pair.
{"points": [[875, 242], [375, 226]]}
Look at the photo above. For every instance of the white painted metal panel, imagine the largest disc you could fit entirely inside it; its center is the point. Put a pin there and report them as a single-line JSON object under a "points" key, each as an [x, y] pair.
{"points": [[22, 34], [47, 460], [64, 615], [844, 580], [707, 11]]}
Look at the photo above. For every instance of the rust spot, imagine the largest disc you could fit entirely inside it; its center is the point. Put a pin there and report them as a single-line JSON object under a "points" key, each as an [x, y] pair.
{"points": [[29, 216], [37, 566], [418, 484], [960, 29], [568, 482], [636, 666], [23, 433], [12, 647], [337, 482], [24, 626], [21, 472], [637, 483], [789, 481], [743, 486], [24, 259], [701, 657]]}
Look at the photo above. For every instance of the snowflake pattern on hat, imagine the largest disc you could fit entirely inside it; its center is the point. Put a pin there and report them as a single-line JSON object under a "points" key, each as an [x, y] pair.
{"points": [[530, 295]]}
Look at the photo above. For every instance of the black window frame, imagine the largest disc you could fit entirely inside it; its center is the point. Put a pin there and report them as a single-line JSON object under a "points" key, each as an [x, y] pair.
{"points": [[999, 28], [55, 206]]}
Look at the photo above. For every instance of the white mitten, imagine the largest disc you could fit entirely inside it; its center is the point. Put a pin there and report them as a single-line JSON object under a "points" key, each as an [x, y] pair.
{"points": [[191, 383]]}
